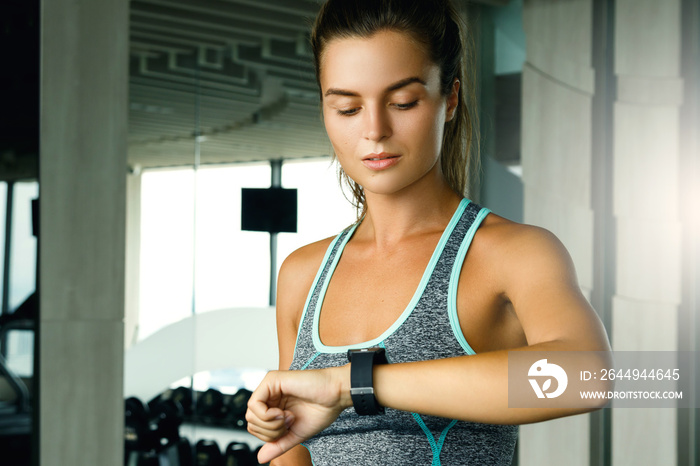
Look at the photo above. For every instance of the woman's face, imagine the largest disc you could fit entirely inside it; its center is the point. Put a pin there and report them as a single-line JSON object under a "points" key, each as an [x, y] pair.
{"points": [[383, 110]]}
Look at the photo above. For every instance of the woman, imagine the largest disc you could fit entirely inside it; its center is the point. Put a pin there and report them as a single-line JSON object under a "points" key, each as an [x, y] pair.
{"points": [[393, 92]]}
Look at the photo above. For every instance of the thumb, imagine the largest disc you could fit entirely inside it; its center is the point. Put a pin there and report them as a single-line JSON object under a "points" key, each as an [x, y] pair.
{"points": [[272, 450]]}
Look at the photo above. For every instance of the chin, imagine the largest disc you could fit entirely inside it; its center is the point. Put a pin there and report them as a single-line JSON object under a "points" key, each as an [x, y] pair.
{"points": [[385, 188]]}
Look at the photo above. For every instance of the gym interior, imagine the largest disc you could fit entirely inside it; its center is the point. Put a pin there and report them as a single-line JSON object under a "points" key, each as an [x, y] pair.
{"points": [[141, 140]]}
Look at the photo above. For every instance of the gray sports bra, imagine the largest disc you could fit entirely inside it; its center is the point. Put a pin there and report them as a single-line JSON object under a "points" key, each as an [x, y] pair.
{"points": [[427, 329]]}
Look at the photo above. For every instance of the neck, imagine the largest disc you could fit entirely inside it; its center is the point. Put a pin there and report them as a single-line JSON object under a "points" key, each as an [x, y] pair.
{"points": [[391, 218]]}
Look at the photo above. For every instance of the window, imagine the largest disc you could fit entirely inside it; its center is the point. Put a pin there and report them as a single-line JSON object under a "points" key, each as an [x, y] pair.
{"points": [[211, 263], [232, 266], [24, 247], [167, 232]]}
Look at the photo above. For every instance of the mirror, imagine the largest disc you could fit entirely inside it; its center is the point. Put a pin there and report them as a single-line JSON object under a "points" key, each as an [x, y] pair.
{"points": [[19, 190]]}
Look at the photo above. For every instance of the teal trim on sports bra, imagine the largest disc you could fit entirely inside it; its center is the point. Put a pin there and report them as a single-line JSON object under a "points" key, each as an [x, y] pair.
{"points": [[409, 308], [443, 436], [311, 359], [454, 281], [436, 448], [351, 230], [429, 435], [310, 455]]}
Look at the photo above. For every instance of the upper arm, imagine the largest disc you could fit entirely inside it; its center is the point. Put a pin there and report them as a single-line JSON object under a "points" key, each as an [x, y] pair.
{"points": [[539, 279], [295, 279]]}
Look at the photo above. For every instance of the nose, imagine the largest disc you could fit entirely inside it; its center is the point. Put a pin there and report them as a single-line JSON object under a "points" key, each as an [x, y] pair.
{"points": [[377, 125]]}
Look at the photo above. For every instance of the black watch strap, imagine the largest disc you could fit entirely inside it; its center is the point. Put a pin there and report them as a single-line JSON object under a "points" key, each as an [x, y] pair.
{"points": [[361, 379]]}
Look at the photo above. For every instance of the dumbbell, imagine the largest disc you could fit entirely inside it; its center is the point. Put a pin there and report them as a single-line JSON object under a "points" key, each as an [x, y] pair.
{"points": [[137, 432], [147, 458], [152, 427], [210, 406], [184, 450], [236, 408], [207, 453], [239, 454], [165, 420], [182, 395]]}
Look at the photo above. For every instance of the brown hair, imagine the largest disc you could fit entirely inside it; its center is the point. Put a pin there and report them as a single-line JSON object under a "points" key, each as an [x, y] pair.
{"points": [[435, 24]]}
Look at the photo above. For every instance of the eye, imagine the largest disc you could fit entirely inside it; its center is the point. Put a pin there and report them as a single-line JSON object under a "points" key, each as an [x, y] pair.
{"points": [[347, 112], [406, 106]]}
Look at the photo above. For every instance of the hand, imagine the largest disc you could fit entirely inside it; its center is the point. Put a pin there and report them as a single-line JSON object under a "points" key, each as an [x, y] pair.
{"points": [[289, 407]]}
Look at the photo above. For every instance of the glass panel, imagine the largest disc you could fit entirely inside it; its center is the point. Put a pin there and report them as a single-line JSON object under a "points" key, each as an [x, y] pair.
{"points": [[232, 266], [163, 106], [220, 96]]}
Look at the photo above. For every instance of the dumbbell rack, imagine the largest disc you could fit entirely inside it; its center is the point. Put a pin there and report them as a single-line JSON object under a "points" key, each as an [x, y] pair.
{"points": [[180, 427]]}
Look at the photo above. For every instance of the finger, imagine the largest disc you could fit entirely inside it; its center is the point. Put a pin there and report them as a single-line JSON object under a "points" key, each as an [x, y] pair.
{"points": [[263, 411], [271, 429], [267, 434]]}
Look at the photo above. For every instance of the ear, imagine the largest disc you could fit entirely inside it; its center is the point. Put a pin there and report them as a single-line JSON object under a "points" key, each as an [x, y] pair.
{"points": [[452, 101]]}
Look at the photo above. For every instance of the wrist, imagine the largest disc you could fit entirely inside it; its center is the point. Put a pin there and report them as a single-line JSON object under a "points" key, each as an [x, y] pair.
{"points": [[342, 377]]}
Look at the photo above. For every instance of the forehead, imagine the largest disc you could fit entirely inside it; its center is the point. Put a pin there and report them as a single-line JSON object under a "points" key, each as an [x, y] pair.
{"points": [[359, 63]]}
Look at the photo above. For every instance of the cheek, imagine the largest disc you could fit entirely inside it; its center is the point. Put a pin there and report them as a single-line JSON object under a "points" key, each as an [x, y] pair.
{"points": [[340, 133], [427, 131]]}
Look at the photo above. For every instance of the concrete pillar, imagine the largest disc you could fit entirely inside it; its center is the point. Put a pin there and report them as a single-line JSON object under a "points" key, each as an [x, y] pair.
{"points": [[558, 89], [84, 78]]}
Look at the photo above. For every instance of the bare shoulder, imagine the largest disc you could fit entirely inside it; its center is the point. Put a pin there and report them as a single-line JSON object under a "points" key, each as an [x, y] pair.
{"points": [[296, 276], [521, 253], [305, 261], [530, 267], [295, 280]]}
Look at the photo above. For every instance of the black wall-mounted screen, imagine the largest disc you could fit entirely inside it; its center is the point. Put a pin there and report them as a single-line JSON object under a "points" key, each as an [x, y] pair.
{"points": [[269, 209]]}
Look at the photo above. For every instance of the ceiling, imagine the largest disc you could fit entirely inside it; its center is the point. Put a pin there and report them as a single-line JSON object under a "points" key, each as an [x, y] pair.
{"points": [[230, 80], [223, 81]]}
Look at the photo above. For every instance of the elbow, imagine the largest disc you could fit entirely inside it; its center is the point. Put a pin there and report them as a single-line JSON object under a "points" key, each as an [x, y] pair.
{"points": [[593, 385]]}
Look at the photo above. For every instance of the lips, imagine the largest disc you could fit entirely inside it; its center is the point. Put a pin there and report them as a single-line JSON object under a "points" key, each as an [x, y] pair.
{"points": [[380, 161]]}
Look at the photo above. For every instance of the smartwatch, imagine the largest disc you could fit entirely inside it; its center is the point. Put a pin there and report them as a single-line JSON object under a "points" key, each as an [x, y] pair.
{"points": [[362, 363]]}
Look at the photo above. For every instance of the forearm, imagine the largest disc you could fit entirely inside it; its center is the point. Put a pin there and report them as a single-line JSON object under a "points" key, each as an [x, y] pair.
{"points": [[472, 388], [291, 406]]}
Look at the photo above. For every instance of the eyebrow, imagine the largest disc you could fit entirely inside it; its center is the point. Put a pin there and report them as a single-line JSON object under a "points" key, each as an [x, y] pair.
{"points": [[392, 87]]}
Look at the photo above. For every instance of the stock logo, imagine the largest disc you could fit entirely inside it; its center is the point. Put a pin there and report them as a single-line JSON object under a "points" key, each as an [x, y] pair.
{"points": [[546, 371]]}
